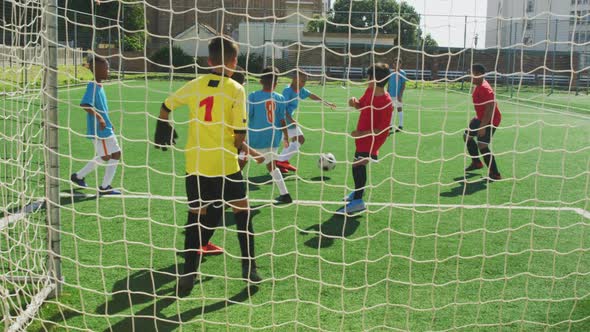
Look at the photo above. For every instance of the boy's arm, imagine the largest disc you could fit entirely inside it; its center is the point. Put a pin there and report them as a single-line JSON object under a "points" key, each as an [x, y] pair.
{"points": [[90, 110], [354, 102], [401, 91], [243, 146], [290, 118], [313, 96]]}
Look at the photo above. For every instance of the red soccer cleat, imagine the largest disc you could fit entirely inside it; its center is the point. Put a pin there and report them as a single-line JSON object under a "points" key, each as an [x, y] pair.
{"points": [[474, 165], [286, 165], [211, 249], [495, 177], [283, 170]]}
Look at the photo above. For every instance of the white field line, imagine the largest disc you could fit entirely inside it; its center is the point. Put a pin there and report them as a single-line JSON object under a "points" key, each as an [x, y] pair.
{"points": [[11, 218], [580, 211]]}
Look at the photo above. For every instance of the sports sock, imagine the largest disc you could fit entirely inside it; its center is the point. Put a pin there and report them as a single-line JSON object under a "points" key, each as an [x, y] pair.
{"points": [[289, 151], [200, 229], [359, 173], [473, 151], [488, 157], [89, 167], [109, 173], [277, 176], [245, 237], [400, 116]]}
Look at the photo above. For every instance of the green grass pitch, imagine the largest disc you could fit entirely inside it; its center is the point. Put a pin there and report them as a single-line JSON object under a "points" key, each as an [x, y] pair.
{"points": [[433, 253]]}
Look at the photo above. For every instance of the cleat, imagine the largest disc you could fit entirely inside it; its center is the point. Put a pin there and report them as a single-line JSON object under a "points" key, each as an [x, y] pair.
{"points": [[108, 191], [494, 177], [349, 198], [185, 284], [354, 206], [79, 182], [286, 165], [210, 249], [283, 170], [399, 129], [251, 275], [474, 166], [284, 199]]}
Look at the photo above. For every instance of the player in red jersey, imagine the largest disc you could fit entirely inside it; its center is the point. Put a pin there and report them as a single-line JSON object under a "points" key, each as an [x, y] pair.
{"points": [[483, 126], [371, 132]]}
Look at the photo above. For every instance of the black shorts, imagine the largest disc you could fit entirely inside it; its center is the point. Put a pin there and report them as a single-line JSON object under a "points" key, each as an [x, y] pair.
{"points": [[362, 155], [474, 126], [203, 190]]}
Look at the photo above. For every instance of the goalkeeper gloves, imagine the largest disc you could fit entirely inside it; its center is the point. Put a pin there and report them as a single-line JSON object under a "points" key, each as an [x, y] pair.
{"points": [[165, 135]]}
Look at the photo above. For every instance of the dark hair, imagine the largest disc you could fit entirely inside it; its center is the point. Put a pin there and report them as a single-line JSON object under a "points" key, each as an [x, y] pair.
{"points": [[478, 69], [222, 50], [92, 59], [299, 74], [239, 75], [269, 78], [397, 60], [380, 73]]}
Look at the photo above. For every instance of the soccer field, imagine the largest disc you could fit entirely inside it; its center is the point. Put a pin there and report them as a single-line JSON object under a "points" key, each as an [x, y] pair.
{"points": [[436, 250]]}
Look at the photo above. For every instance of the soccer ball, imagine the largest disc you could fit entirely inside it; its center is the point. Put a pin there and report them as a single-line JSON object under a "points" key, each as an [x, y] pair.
{"points": [[327, 161]]}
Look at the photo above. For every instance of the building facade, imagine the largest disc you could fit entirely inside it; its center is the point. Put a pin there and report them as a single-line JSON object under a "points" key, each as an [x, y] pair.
{"points": [[168, 19]]}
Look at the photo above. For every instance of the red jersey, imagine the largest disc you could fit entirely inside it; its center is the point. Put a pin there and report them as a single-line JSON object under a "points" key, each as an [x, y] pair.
{"points": [[482, 96], [376, 114]]}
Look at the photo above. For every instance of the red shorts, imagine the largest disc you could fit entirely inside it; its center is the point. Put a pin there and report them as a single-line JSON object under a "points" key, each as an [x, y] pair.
{"points": [[371, 144]]}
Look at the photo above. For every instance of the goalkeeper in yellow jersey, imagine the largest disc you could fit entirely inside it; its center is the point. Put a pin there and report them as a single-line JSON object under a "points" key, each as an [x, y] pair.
{"points": [[217, 130]]}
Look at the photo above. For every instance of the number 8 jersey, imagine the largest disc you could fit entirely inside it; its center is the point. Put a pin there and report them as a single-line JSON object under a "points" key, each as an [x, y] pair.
{"points": [[266, 113], [217, 109]]}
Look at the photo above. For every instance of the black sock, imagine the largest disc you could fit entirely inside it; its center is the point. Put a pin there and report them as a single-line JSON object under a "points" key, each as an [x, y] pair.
{"points": [[488, 157], [359, 173], [246, 238], [196, 236], [473, 151]]}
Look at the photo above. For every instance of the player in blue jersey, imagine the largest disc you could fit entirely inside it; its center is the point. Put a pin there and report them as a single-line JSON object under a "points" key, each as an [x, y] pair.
{"points": [[267, 127], [292, 93], [99, 129], [396, 88]]}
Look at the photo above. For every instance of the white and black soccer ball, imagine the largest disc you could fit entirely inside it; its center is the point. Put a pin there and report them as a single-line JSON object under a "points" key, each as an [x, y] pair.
{"points": [[327, 161]]}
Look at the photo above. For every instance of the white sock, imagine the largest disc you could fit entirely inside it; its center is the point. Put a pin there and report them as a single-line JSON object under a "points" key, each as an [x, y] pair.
{"points": [[109, 173], [278, 178], [90, 166], [400, 116], [290, 151]]}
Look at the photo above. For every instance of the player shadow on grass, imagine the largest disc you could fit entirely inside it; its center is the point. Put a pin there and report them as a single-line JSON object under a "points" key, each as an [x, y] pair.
{"points": [[337, 227], [466, 187], [150, 317]]}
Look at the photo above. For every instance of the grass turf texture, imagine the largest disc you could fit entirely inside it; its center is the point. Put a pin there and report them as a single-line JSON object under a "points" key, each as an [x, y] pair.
{"points": [[397, 267]]}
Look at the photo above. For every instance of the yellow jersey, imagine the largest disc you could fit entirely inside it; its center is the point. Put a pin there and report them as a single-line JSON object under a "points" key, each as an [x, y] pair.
{"points": [[217, 106]]}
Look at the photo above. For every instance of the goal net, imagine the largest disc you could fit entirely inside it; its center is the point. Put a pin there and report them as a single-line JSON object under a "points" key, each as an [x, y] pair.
{"points": [[435, 247]]}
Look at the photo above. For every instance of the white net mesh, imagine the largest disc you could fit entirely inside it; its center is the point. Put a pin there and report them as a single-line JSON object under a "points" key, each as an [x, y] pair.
{"points": [[437, 249]]}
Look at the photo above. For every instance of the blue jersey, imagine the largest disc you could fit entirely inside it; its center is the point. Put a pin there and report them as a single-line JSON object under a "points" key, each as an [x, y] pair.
{"points": [[97, 99], [266, 111], [396, 81], [292, 98]]}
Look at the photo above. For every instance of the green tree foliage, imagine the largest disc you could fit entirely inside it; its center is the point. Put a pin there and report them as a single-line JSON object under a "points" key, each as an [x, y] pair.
{"points": [[361, 16], [124, 19]]}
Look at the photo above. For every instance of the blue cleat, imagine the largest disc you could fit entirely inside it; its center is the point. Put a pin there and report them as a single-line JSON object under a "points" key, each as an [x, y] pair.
{"points": [[108, 191], [349, 198], [79, 182], [353, 207]]}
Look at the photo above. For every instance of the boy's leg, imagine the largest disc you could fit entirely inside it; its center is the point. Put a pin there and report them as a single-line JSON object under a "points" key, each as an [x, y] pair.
{"points": [[278, 178], [297, 139], [89, 167], [359, 174], [488, 157], [201, 224], [400, 116], [112, 149], [472, 148], [235, 194]]}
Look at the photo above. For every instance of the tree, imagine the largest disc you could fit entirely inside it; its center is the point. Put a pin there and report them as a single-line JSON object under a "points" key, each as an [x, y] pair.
{"points": [[361, 16], [125, 18]]}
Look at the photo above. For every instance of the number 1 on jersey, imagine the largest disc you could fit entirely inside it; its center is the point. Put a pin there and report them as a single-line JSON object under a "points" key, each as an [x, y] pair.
{"points": [[208, 103]]}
